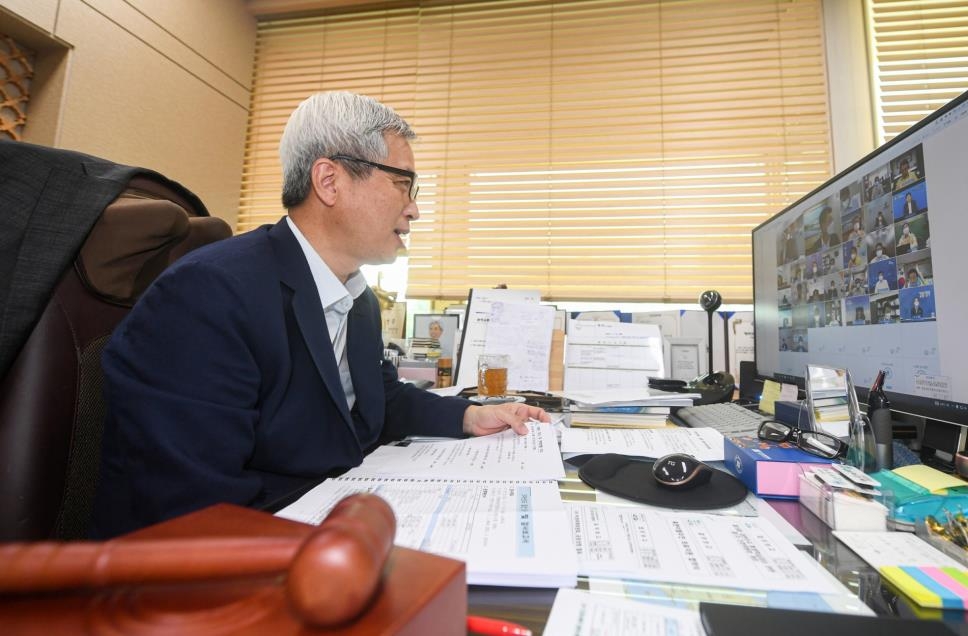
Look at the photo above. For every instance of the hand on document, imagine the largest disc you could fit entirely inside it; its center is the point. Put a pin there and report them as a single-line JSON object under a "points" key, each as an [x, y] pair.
{"points": [[494, 418]]}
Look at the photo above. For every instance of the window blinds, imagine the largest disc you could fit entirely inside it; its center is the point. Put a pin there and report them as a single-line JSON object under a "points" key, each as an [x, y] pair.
{"points": [[919, 59], [595, 149]]}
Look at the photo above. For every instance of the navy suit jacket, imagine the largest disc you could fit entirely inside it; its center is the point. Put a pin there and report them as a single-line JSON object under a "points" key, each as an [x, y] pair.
{"points": [[222, 386]]}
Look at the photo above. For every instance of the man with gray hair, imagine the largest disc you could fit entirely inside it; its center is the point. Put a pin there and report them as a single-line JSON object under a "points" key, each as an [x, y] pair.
{"points": [[253, 367]]}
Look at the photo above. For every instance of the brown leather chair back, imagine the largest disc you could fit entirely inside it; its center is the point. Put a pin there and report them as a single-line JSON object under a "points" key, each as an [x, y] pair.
{"points": [[51, 401]]}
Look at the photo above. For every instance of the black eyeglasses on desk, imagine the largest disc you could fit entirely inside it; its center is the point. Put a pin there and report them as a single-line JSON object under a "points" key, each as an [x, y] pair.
{"points": [[414, 188], [813, 442]]}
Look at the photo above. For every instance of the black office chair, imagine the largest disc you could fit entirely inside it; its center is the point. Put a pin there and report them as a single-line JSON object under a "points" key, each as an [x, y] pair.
{"points": [[51, 405]]}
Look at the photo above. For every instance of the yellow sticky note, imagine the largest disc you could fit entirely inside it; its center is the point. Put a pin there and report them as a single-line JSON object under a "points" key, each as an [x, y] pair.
{"points": [[771, 393], [930, 478]]}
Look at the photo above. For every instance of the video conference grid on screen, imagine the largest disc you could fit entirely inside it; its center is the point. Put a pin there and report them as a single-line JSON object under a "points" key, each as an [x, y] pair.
{"points": [[868, 271], [859, 257]]}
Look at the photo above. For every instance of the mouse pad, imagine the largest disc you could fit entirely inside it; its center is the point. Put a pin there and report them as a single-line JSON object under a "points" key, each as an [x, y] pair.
{"points": [[631, 478]]}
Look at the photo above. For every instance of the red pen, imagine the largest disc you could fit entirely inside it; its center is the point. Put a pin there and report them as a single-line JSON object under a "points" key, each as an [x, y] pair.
{"points": [[495, 627]]}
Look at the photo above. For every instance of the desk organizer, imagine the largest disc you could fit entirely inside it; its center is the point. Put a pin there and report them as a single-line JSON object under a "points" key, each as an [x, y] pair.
{"points": [[841, 509]]}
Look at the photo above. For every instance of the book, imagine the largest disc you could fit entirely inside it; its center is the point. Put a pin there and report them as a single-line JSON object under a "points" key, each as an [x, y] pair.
{"points": [[492, 502], [622, 408], [767, 468], [618, 420], [632, 416], [507, 532]]}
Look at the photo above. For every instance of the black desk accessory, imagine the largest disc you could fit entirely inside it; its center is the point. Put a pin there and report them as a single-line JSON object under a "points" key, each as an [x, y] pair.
{"points": [[632, 478], [680, 471], [710, 300], [719, 386], [739, 620], [547, 401], [879, 413]]}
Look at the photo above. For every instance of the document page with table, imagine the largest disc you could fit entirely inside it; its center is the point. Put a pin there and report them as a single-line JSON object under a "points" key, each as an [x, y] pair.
{"points": [[691, 548]]}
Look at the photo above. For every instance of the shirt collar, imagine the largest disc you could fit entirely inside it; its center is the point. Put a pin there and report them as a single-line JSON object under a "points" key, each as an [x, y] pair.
{"points": [[332, 293]]}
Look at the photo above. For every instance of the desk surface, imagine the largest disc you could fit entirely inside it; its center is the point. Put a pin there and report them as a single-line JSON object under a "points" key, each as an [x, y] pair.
{"points": [[531, 607]]}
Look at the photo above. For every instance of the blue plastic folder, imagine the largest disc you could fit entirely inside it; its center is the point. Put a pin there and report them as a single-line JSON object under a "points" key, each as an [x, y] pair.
{"points": [[909, 503]]}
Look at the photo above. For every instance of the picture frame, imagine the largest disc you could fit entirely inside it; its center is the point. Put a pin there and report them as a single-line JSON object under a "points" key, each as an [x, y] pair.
{"points": [[685, 359], [423, 324]]}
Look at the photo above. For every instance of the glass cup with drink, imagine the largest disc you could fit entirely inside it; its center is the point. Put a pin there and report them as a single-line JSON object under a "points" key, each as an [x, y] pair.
{"points": [[492, 375]]}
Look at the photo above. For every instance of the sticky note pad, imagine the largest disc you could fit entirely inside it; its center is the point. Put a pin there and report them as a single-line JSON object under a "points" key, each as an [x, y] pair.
{"points": [[931, 478], [931, 586], [771, 393]]}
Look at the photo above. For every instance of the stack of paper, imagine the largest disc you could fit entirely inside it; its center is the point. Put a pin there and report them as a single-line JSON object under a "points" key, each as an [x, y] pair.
{"points": [[705, 444], [624, 408], [600, 398], [491, 502], [583, 614], [620, 416]]}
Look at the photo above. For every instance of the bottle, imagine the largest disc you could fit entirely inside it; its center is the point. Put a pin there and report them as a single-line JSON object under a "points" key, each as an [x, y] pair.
{"points": [[879, 412], [444, 369]]}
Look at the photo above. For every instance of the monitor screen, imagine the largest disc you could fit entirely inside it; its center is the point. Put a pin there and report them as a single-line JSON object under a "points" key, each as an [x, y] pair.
{"points": [[870, 271]]}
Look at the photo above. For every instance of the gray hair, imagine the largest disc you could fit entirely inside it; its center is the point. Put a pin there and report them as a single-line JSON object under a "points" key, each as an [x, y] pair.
{"points": [[329, 124]]}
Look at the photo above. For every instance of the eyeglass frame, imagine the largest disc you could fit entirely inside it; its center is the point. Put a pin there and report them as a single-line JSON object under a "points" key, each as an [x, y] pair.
{"points": [[796, 434], [414, 189]]}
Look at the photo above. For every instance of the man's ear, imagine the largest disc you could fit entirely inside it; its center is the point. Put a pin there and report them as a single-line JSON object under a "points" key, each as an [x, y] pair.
{"points": [[323, 176]]}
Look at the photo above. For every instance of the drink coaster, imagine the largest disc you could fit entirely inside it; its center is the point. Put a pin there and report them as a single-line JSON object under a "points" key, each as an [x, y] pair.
{"points": [[497, 399]]}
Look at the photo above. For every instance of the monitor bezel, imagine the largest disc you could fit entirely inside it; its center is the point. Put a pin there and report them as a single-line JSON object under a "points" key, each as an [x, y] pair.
{"points": [[929, 408]]}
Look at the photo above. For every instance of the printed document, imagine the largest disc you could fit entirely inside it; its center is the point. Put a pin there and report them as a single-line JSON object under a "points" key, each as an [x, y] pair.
{"points": [[690, 548], [523, 332], [884, 549], [609, 355], [474, 337], [508, 533], [926, 575], [580, 613], [636, 396], [705, 444], [505, 455]]}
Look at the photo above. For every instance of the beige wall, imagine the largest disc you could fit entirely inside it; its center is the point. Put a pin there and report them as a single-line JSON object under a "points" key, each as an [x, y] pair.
{"points": [[162, 84], [848, 82]]}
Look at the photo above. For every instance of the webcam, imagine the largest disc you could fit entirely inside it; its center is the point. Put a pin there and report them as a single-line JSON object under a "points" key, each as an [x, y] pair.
{"points": [[710, 300]]}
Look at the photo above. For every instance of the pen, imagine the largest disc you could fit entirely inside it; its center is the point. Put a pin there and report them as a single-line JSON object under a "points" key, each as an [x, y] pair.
{"points": [[495, 627]]}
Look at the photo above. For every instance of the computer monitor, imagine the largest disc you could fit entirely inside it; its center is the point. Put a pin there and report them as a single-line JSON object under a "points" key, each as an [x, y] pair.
{"points": [[869, 271]]}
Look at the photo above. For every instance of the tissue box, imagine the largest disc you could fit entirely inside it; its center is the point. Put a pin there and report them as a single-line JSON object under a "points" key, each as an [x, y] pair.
{"points": [[841, 509], [768, 469]]}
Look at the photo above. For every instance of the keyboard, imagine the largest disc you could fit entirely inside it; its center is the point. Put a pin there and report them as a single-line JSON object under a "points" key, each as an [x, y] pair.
{"points": [[725, 417]]}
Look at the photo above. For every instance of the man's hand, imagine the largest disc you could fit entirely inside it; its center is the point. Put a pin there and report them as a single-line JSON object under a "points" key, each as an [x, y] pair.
{"points": [[494, 418]]}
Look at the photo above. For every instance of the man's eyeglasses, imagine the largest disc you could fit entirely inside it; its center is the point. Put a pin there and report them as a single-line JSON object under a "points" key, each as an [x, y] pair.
{"points": [[414, 188], [813, 442]]}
